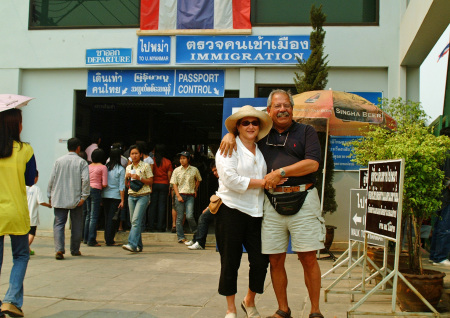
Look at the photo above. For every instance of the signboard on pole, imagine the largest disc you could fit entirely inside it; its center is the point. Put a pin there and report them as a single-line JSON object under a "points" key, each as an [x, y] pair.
{"points": [[363, 177], [383, 197], [358, 204]]}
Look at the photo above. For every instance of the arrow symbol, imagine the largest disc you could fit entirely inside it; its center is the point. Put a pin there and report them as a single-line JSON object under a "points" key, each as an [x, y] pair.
{"points": [[357, 219]]}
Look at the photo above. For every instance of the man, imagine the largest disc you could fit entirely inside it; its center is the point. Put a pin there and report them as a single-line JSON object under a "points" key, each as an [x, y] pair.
{"points": [[96, 139], [199, 240], [68, 188], [185, 180], [291, 151], [440, 242]]}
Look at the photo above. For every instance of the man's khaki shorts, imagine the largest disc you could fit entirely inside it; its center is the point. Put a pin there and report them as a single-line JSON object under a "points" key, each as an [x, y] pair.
{"points": [[306, 227]]}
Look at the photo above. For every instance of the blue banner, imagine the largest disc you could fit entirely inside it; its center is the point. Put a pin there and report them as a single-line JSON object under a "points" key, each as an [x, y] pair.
{"points": [[108, 56], [153, 50], [242, 49], [164, 83], [341, 153]]}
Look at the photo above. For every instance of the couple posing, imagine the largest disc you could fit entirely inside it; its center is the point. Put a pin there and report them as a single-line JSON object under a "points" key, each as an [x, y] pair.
{"points": [[260, 211]]}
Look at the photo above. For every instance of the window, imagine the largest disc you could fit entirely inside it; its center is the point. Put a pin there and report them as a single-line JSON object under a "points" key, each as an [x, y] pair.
{"points": [[296, 12], [46, 14]]}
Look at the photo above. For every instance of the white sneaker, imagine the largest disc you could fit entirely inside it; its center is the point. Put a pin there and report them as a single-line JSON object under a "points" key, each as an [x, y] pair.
{"points": [[445, 262], [189, 243], [195, 246], [128, 248]]}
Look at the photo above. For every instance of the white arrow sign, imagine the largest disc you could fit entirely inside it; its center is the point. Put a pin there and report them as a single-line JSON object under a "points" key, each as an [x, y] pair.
{"points": [[357, 219]]}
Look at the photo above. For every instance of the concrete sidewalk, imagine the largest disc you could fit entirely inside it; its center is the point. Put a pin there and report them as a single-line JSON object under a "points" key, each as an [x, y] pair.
{"points": [[165, 280]]}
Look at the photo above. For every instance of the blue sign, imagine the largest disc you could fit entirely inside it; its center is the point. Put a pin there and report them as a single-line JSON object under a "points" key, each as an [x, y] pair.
{"points": [[153, 50], [242, 49], [108, 56], [164, 83], [341, 153], [200, 83]]}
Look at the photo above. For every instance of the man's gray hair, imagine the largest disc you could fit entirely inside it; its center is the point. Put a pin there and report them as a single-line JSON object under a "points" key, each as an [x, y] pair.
{"points": [[280, 91]]}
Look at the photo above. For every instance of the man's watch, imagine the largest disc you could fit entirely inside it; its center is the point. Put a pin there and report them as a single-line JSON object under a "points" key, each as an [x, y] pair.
{"points": [[282, 172]]}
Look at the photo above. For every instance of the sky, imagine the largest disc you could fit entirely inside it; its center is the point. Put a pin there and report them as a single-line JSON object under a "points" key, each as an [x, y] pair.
{"points": [[433, 77]]}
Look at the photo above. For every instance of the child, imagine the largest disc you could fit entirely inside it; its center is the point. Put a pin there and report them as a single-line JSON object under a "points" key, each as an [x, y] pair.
{"points": [[34, 197]]}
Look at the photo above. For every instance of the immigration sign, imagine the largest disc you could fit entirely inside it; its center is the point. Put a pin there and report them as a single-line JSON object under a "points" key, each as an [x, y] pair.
{"points": [[242, 49]]}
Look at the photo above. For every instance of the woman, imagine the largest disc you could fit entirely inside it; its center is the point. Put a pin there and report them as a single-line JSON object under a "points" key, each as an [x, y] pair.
{"points": [[138, 199], [98, 177], [238, 221], [17, 169], [114, 194], [162, 171]]}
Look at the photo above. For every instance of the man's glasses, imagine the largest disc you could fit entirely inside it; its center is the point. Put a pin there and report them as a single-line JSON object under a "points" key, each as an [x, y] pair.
{"points": [[245, 123], [277, 145]]}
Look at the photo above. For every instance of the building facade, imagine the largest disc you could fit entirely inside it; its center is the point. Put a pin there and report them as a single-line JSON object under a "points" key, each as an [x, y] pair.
{"points": [[377, 46]]}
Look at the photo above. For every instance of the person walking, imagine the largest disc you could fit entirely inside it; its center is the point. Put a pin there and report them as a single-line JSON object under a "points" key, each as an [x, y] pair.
{"points": [[185, 180], [18, 170], [140, 176], [67, 190]]}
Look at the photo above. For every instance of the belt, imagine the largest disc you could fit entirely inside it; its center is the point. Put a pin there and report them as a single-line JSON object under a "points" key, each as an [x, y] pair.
{"points": [[188, 194], [299, 188]]}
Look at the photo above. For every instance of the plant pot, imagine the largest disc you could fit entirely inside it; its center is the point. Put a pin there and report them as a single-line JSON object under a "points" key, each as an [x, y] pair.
{"points": [[430, 286], [376, 254]]}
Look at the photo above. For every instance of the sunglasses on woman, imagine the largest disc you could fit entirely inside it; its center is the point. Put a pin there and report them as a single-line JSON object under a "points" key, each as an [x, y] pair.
{"points": [[245, 123]]}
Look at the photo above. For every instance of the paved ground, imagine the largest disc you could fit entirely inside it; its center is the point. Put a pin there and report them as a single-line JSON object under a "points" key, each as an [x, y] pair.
{"points": [[166, 280]]}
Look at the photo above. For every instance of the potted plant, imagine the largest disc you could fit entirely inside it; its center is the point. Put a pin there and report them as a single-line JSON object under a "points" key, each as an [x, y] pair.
{"points": [[424, 154]]}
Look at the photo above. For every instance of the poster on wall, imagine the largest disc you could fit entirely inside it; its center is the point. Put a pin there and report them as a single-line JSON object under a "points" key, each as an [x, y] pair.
{"points": [[238, 49], [342, 153], [163, 83]]}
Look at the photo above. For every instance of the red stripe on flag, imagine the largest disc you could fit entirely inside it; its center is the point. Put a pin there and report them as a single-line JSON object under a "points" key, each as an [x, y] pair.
{"points": [[241, 14], [149, 14]]}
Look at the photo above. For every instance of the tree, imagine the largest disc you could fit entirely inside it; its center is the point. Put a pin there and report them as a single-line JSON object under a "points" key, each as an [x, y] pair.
{"points": [[314, 71], [423, 152], [314, 76]]}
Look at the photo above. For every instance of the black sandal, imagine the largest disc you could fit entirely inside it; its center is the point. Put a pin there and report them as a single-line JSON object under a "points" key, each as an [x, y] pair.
{"points": [[282, 314], [316, 315]]}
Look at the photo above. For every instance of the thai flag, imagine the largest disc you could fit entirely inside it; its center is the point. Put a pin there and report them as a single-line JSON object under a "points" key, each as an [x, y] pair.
{"points": [[195, 14], [444, 51]]}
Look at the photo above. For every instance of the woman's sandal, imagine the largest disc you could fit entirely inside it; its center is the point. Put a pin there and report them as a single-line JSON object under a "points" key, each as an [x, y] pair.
{"points": [[251, 312], [282, 314], [315, 315]]}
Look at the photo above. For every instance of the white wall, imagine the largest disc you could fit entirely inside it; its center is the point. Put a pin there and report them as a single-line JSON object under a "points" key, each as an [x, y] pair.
{"points": [[48, 118]]}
